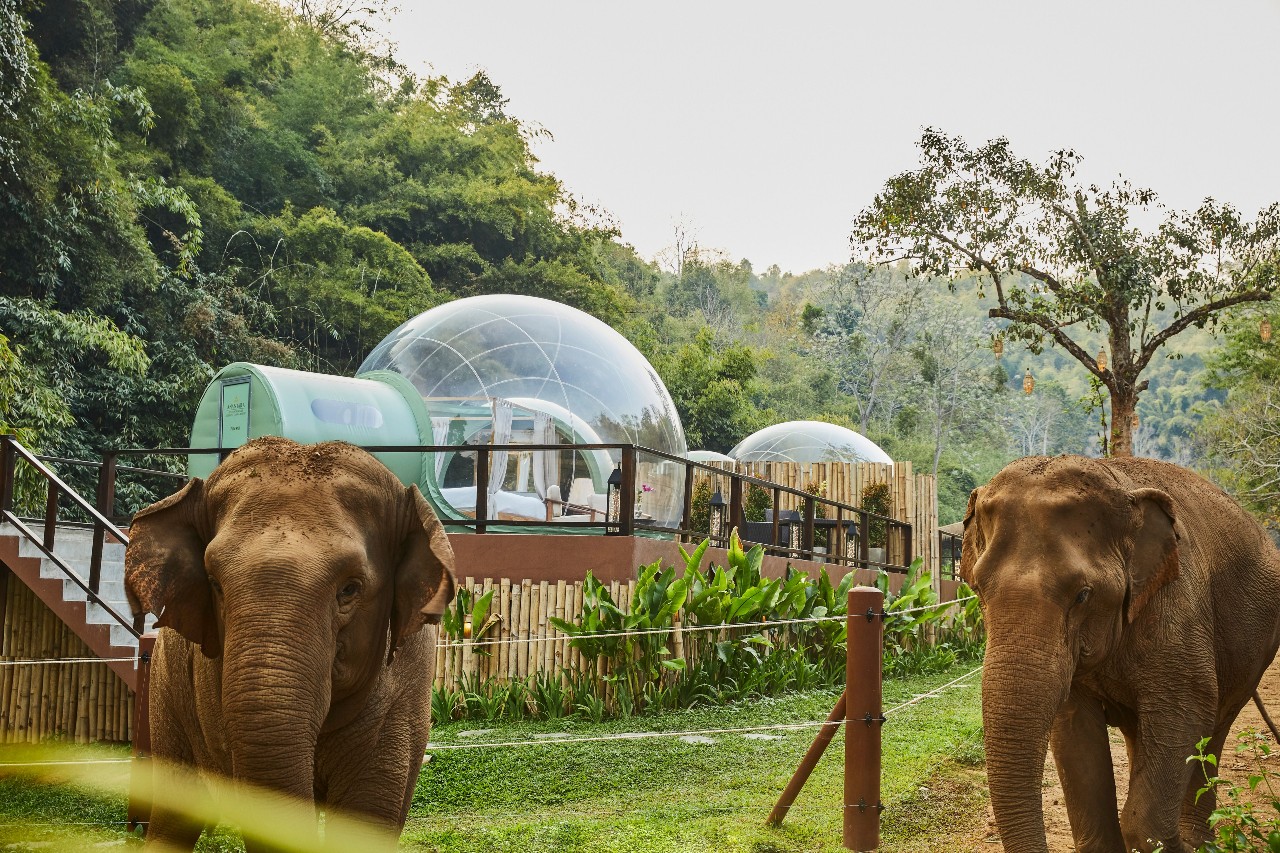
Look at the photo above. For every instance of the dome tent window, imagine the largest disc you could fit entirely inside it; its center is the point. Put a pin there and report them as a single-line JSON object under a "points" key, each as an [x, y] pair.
{"points": [[568, 379]]}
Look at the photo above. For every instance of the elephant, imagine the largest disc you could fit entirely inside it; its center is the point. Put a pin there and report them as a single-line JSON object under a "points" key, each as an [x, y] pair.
{"points": [[299, 591], [1119, 592]]}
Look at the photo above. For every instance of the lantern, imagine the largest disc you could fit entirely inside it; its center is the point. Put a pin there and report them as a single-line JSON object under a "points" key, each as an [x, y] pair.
{"points": [[1264, 330], [1102, 360], [1133, 420], [997, 346], [717, 515], [613, 497], [792, 518], [1028, 382]]}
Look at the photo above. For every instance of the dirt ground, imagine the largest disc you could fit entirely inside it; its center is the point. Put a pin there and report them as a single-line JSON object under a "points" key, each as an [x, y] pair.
{"points": [[985, 837]]}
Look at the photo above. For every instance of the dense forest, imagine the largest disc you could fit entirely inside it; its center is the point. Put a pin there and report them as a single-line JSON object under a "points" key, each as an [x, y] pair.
{"points": [[183, 185]]}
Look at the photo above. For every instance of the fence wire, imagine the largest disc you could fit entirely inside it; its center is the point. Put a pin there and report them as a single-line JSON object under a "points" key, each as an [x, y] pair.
{"points": [[763, 625]]}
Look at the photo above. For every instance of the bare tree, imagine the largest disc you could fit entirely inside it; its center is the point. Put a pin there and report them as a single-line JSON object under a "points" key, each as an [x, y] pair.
{"points": [[865, 333]]}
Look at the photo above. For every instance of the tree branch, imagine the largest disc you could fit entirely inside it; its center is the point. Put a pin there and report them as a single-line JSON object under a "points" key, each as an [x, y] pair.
{"points": [[1061, 337], [1198, 315]]}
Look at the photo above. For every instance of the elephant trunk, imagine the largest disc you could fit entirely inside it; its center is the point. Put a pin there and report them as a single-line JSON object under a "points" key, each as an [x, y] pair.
{"points": [[275, 695], [1022, 690]]}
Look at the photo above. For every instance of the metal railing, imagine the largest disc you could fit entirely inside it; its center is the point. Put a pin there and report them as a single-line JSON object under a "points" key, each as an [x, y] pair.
{"points": [[12, 455], [852, 535]]}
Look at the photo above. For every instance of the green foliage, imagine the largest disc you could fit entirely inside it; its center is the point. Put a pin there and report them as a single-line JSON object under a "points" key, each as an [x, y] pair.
{"points": [[876, 500], [1247, 817], [711, 384], [757, 499], [1065, 261]]}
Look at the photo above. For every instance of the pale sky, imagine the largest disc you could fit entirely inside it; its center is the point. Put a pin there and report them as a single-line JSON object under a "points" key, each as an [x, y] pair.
{"points": [[765, 127]]}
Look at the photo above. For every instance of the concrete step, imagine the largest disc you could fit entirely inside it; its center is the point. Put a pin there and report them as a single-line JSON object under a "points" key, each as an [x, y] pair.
{"points": [[110, 591], [74, 546], [110, 572]]}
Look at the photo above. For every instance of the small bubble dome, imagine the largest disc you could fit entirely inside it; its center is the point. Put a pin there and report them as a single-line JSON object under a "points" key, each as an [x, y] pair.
{"points": [[808, 441], [506, 369]]}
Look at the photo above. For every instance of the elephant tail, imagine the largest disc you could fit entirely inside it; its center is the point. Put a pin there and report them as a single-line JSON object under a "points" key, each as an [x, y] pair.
{"points": [[1257, 700]]}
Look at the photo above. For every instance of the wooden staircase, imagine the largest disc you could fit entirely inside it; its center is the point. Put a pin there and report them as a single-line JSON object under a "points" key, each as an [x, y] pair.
{"points": [[77, 570]]}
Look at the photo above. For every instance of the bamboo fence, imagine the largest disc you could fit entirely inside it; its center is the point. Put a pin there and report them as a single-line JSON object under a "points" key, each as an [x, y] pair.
{"points": [[913, 498], [80, 702]]}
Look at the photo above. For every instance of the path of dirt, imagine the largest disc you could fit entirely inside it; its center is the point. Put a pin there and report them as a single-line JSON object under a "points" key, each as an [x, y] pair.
{"points": [[984, 836]]}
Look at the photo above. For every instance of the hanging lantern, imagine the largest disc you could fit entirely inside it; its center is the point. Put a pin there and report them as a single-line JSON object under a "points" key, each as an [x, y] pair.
{"points": [[717, 515], [1028, 382], [1102, 360], [1264, 330], [997, 346], [1133, 420]]}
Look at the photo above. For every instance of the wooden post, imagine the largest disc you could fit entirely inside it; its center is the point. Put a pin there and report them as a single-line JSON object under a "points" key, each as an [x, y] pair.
{"points": [[482, 488], [863, 719], [106, 506], [139, 812], [810, 760], [686, 516], [627, 500], [8, 462]]}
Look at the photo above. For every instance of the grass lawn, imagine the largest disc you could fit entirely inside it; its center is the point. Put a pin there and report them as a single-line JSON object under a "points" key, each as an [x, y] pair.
{"points": [[658, 794]]}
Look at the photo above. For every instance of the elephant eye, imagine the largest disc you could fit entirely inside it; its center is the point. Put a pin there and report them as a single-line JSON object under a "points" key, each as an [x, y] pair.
{"points": [[1083, 595], [349, 591]]}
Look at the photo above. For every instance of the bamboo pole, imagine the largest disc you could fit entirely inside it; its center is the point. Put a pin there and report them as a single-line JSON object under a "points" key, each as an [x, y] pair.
{"points": [[503, 651], [526, 610], [561, 646], [546, 605]]}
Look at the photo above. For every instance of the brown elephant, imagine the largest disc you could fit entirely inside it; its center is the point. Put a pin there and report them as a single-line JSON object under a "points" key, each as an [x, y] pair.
{"points": [[291, 588], [1118, 592]]}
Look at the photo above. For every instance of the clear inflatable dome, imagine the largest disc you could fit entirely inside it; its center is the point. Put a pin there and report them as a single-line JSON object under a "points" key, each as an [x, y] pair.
{"points": [[507, 369], [808, 441]]}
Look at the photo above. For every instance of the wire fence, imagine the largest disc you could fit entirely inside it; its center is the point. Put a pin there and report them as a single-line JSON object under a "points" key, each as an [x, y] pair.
{"points": [[763, 625], [555, 740]]}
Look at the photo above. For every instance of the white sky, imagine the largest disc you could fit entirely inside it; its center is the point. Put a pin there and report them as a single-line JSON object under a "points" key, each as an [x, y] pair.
{"points": [[765, 127]]}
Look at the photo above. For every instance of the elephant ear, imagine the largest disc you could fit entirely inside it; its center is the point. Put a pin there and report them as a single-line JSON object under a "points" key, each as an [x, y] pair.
{"points": [[972, 543], [424, 584], [164, 568], [1153, 561]]}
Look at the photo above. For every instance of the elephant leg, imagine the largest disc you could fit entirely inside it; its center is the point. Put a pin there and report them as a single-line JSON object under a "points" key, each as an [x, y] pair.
{"points": [[1195, 812], [173, 829], [1083, 757], [1158, 780]]}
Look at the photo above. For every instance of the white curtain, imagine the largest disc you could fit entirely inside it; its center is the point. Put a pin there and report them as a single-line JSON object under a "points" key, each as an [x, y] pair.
{"points": [[498, 458], [440, 437], [546, 463]]}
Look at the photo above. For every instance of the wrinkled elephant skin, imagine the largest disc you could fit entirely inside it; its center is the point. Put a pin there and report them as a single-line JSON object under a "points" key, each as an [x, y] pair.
{"points": [[1117, 592], [293, 588]]}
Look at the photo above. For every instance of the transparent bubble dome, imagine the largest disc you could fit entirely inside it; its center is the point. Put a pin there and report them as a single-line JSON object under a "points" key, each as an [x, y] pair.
{"points": [[808, 441], [544, 357]]}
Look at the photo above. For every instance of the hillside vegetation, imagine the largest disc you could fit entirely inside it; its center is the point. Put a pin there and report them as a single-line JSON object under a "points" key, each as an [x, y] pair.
{"points": [[183, 185]]}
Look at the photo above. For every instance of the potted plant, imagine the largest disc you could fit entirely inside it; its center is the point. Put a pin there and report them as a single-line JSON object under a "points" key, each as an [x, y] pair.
{"points": [[818, 490], [875, 500]]}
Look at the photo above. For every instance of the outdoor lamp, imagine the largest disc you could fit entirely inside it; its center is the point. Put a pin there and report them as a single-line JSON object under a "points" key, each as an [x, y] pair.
{"points": [[1028, 382], [851, 543], [997, 346], [613, 497], [1102, 360], [1133, 421], [1264, 330], [717, 515], [793, 531]]}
